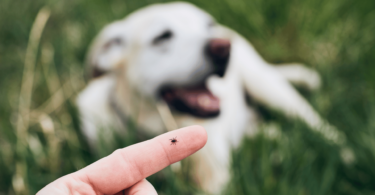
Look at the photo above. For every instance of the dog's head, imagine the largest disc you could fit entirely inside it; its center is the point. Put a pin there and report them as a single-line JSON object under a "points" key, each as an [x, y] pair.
{"points": [[166, 51]]}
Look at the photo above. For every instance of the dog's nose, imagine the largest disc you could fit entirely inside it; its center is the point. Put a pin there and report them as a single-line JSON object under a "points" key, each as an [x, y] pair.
{"points": [[219, 48]]}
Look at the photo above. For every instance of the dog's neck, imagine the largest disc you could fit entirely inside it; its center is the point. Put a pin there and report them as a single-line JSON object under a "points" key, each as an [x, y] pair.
{"points": [[128, 103], [123, 97]]}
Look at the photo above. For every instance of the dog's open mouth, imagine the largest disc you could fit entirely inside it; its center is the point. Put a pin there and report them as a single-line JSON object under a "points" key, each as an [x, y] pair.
{"points": [[197, 100]]}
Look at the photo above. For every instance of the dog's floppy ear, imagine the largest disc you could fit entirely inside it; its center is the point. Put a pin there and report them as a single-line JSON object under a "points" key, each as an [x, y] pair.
{"points": [[107, 50]]}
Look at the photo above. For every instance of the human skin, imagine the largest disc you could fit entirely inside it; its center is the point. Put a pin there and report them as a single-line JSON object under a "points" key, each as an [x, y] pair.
{"points": [[124, 171]]}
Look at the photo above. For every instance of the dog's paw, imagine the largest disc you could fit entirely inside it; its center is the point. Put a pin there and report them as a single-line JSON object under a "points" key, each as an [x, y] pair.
{"points": [[300, 75], [216, 85]]}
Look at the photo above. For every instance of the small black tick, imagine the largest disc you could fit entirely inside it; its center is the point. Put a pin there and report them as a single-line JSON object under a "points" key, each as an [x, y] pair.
{"points": [[173, 140]]}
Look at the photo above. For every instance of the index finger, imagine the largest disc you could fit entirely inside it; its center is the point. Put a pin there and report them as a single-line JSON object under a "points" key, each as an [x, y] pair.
{"points": [[125, 167]]}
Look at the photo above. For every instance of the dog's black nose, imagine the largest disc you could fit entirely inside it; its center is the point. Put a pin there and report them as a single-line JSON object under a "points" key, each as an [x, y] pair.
{"points": [[219, 50]]}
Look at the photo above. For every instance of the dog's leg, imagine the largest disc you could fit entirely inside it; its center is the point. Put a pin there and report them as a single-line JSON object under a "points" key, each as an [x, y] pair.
{"points": [[95, 112], [299, 75], [225, 132], [211, 163], [266, 85]]}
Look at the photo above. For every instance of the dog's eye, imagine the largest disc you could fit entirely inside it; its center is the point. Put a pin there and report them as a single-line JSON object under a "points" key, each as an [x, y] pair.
{"points": [[166, 35], [113, 42]]}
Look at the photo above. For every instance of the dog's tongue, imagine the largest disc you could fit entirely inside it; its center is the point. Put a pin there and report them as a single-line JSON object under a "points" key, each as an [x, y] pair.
{"points": [[199, 99]]}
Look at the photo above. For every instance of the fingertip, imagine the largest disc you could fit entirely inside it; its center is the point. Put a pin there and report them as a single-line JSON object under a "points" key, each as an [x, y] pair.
{"points": [[189, 140], [201, 133], [194, 136]]}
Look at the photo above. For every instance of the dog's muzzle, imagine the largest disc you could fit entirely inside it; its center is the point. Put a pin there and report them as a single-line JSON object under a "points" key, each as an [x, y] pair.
{"points": [[198, 100]]}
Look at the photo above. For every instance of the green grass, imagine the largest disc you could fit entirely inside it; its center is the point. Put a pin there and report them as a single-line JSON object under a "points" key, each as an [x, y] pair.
{"points": [[335, 37]]}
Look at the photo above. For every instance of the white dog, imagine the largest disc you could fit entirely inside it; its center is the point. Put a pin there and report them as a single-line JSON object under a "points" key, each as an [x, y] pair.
{"points": [[170, 65]]}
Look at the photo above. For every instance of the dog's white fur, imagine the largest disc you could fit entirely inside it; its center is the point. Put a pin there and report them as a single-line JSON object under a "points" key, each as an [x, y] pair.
{"points": [[135, 70]]}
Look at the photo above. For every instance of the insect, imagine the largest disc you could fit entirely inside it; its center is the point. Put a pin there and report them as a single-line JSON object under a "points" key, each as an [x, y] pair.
{"points": [[173, 140]]}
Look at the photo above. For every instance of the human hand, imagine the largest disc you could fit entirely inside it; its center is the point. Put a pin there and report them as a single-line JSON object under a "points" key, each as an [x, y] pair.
{"points": [[124, 171]]}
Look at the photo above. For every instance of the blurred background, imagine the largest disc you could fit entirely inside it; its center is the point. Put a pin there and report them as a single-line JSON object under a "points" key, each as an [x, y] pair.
{"points": [[42, 70]]}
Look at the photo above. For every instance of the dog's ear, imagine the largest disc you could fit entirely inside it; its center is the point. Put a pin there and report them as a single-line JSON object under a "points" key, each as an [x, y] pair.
{"points": [[107, 50]]}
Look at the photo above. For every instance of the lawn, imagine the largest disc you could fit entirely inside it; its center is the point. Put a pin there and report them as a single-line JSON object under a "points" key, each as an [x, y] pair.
{"points": [[40, 76]]}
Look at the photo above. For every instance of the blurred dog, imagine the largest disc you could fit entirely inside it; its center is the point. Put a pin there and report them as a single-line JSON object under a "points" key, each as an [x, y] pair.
{"points": [[170, 65]]}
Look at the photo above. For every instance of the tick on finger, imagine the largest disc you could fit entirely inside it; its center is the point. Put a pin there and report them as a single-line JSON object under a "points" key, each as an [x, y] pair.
{"points": [[174, 141]]}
